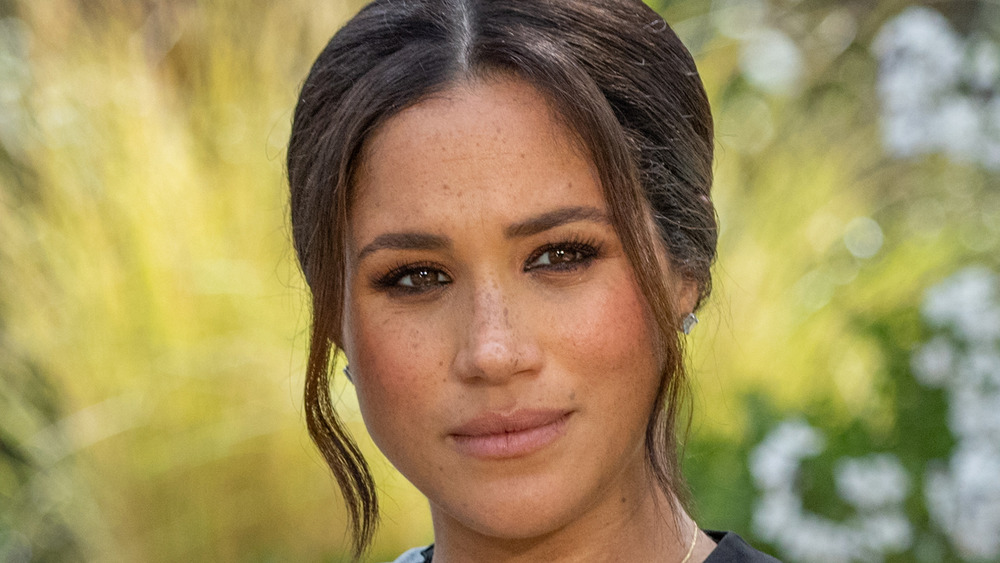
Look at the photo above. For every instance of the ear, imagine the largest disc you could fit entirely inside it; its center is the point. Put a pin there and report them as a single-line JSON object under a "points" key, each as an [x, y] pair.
{"points": [[687, 296], [686, 290]]}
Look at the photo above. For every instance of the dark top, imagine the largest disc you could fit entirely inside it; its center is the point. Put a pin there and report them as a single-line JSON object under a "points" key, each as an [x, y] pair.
{"points": [[730, 548]]}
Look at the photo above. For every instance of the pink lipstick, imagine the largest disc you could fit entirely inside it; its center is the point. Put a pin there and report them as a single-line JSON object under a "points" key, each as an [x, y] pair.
{"points": [[502, 436]]}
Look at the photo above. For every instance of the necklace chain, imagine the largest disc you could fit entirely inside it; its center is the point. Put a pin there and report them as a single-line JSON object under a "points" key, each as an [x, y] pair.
{"points": [[694, 541]]}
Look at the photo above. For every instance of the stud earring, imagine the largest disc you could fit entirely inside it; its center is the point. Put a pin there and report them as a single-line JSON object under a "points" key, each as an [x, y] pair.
{"points": [[689, 321]]}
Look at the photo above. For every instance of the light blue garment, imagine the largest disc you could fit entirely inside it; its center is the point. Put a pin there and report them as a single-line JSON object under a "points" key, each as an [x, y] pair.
{"points": [[411, 556]]}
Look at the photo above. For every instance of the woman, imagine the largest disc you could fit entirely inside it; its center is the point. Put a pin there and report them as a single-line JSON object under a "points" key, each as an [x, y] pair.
{"points": [[502, 210]]}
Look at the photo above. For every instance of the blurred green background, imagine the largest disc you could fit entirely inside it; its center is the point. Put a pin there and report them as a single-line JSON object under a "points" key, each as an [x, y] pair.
{"points": [[153, 320]]}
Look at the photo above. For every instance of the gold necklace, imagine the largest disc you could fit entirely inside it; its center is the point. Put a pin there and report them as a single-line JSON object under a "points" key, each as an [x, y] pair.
{"points": [[694, 541]]}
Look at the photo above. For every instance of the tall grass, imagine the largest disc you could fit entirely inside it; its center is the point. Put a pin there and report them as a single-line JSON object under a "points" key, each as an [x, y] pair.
{"points": [[147, 274]]}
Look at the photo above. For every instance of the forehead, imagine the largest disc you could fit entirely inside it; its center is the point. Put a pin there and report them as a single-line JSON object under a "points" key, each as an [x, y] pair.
{"points": [[478, 144], [486, 108]]}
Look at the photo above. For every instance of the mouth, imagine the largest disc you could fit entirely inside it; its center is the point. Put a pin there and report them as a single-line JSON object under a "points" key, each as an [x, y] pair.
{"points": [[504, 436]]}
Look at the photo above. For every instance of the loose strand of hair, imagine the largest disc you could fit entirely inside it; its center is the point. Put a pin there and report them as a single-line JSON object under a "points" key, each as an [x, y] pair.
{"points": [[340, 451], [341, 454]]}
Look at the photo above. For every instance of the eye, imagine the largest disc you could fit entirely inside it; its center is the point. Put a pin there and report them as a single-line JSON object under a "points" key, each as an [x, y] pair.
{"points": [[423, 278], [412, 279], [562, 256]]}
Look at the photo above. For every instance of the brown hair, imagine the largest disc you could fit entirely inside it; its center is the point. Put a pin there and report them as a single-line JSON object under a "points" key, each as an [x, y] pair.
{"points": [[618, 76]]}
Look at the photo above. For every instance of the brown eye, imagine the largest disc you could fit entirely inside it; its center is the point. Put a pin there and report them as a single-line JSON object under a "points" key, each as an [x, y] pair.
{"points": [[562, 257], [422, 278], [412, 279], [557, 256]]}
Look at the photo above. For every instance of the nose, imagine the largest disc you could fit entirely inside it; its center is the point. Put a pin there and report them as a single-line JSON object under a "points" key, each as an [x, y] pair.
{"points": [[499, 339]]}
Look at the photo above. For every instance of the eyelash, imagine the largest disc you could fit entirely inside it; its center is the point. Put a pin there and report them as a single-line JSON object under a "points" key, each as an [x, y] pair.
{"points": [[584, 251], [587, 249], [389, 281]]}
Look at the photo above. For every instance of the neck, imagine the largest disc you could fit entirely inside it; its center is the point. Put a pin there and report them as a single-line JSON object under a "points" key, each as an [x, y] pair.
{"points": [[644, 525]]}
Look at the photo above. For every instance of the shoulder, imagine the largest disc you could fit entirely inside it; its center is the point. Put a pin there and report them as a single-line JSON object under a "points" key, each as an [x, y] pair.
{"points": [[730, 548], [415, 555]]}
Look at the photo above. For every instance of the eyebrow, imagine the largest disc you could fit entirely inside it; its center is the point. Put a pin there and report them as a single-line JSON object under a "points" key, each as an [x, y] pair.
{"points": [[522, 229], [554, 219], [404, 241]]}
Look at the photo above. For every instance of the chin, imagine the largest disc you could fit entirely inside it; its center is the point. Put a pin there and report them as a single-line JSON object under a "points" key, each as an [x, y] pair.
{"points": [[514, 523], [515, 511]]}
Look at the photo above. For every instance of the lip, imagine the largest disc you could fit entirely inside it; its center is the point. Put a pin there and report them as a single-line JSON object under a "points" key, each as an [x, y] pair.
{"points": [[493, 435]]}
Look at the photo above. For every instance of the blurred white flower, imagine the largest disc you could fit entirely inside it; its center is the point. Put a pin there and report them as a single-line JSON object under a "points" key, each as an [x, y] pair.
{"points": [[984, 66], [872, 482], [963, 496], [958, 126], [775, 460], [981, 367], [933, 363], [771, 61], [887, 532], [926, 72], [964, 500], [776, 512], [817, 540], [974, 414], [907, 134], [919, 44], [877, 484], [967, 303]]}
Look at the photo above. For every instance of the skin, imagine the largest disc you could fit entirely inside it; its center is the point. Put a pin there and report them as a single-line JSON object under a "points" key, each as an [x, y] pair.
{"points": [[484, 278]]}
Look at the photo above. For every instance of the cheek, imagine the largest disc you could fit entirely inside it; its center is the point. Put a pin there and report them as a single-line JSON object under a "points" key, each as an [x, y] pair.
{"points": [[612, 325], [397, 374], [609, 350]]}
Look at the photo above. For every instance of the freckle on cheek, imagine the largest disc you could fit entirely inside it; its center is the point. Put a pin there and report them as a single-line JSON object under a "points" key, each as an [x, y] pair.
{"points": [[414, 339]]}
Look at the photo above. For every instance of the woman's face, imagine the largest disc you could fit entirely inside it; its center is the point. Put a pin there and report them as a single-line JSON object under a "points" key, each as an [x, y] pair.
{"points": [[502, 352]]}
